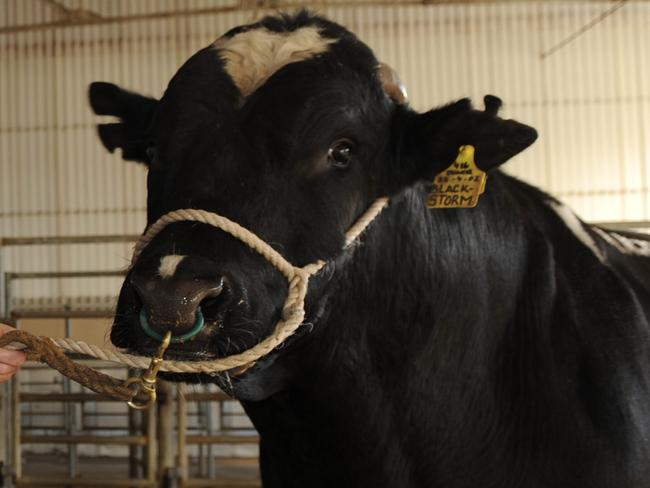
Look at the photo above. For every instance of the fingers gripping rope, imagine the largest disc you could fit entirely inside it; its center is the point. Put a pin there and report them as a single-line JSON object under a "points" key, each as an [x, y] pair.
{"points": [[293, 311]]}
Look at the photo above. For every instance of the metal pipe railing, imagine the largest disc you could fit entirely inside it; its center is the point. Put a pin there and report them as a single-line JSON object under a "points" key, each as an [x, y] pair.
{"points": [[90, 239], [7, 277], [629, 225]]}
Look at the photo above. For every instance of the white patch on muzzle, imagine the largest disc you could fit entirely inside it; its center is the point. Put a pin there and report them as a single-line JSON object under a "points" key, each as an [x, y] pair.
{"points": [[168, 265], [253, 56]]}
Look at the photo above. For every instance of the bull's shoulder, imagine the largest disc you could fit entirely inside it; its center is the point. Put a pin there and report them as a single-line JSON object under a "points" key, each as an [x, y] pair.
{"points": [[629, 254]]}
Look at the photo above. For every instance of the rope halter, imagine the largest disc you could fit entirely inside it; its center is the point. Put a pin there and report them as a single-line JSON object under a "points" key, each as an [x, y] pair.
{"points": [[293, 310]]}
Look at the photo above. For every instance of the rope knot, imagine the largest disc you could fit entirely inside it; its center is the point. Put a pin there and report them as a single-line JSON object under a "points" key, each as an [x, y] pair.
{"points": [[296, 295]]}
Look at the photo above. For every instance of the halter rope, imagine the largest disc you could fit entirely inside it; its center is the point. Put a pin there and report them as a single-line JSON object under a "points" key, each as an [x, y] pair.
{"points": [[293, 311]]}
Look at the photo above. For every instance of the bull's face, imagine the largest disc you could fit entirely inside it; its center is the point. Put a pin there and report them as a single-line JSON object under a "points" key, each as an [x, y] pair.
{"points": [[286, 128]]}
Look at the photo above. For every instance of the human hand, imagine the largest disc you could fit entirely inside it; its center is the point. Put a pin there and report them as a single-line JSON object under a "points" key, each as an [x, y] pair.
{"points": [[10, 361]]}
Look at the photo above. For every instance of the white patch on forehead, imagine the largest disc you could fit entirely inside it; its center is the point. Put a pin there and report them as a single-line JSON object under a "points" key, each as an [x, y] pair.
{"points": [[168, 265], [577, 227], [624, 244], [251, 57]]}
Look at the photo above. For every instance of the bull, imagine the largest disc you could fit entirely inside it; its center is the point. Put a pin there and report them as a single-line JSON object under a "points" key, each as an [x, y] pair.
{"points": [[499, 346]]}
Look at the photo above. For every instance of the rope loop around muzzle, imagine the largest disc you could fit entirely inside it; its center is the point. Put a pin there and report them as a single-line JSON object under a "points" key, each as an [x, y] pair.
{"points": [[293, 310]]}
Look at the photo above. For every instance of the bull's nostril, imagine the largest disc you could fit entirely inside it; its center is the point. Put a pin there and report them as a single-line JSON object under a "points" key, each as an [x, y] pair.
{"points": [[174, 304], [199, 324]]}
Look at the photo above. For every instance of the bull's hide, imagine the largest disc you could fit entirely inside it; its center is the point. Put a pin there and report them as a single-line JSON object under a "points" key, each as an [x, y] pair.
{"points": [[500, 346]]}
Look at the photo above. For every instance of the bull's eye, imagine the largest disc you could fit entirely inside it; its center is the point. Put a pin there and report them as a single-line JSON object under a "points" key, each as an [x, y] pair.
{"points": [[340, 153]]}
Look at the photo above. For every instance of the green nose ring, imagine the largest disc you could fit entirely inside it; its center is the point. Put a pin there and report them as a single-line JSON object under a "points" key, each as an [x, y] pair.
{"points": [[199, 323]]}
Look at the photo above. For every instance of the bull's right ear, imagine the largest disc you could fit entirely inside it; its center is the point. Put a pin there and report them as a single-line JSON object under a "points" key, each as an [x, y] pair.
{"points": [[135, 113]]}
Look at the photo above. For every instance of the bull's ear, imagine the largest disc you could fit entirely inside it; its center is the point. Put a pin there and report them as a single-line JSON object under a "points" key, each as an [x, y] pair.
{"points": [[434, 138], [135, 113]]}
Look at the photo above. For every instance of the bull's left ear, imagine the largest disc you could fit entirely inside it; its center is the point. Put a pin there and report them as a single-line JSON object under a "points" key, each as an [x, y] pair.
{"points": [[434, 138]]}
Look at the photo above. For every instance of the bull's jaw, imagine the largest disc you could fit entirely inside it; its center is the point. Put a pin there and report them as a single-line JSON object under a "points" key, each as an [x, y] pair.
{"points": [[270, 375]]}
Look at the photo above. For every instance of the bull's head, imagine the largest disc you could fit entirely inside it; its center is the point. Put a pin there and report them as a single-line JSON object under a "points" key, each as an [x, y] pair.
{"points": [[291, 128]]}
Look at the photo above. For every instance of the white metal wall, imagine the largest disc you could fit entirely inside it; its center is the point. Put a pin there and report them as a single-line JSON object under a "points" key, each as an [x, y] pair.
{"points": [[590, 102]]}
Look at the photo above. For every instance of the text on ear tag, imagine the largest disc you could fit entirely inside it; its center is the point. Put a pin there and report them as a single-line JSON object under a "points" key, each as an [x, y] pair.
{"points": [[460, 185]]}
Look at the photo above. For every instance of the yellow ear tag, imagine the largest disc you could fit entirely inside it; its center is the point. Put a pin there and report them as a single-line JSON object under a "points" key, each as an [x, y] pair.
{"points": [[460, 185]]}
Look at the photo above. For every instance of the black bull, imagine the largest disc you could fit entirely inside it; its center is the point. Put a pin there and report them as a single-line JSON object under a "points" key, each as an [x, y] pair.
{"points": [[500, 346]]}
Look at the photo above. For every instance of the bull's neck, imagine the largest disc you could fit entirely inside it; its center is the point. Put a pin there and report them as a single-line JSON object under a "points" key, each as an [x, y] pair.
{"points": [[424, 277], [406, 331]]}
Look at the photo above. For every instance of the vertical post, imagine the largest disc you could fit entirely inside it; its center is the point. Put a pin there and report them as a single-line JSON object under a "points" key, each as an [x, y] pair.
{"points": [[222, 413], [182, 433], [69, 413], [4, 431], [7, 296], [165, 429], [209, 421], [200, 410], [16, 448], [12, 442], [135, 452], [3, 306], [151, 445]]}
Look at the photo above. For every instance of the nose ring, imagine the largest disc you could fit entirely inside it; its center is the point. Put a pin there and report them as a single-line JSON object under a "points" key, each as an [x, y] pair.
{"points": [[199, 323]]}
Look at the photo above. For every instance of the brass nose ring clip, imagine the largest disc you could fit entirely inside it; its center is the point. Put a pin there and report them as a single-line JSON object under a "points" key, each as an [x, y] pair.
{"points": [[147, 382]]}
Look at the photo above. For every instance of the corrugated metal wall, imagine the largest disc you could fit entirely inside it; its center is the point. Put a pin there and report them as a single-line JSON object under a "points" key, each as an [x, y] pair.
{"points": [[590, 102]]}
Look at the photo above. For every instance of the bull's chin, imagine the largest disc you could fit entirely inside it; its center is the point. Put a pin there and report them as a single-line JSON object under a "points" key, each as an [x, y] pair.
{"points": [[223, 380], [237, 386]]}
